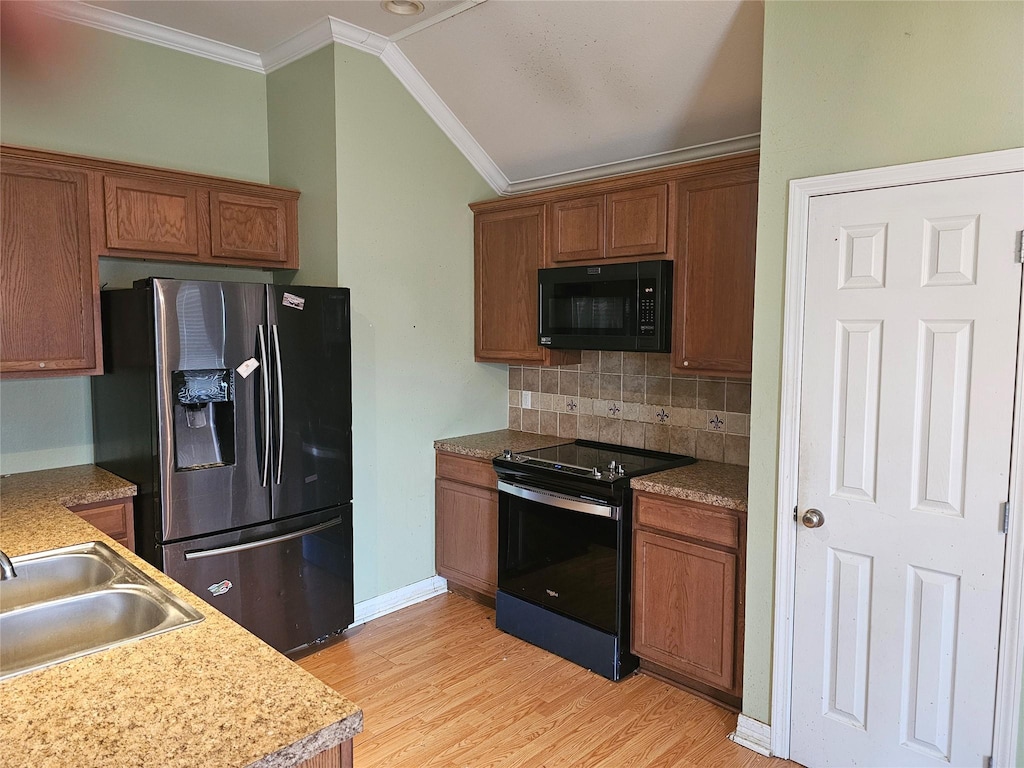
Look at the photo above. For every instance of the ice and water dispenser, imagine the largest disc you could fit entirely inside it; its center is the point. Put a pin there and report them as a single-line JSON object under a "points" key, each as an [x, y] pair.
{"points": [[204, 418]]}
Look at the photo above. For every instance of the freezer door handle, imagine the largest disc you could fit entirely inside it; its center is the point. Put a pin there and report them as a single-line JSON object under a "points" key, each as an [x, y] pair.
{"points": [[264, 405], [279, 400], [201, 553]]}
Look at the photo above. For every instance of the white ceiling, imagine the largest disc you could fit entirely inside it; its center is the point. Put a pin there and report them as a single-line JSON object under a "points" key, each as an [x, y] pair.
{"points": [[534, 92]]}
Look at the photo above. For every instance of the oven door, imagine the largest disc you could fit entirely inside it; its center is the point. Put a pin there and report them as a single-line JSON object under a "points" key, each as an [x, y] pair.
{"points": [[560, 553]]}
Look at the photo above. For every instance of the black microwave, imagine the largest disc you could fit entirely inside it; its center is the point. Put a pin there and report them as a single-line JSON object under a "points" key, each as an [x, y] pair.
{"points": [[610, 306]]}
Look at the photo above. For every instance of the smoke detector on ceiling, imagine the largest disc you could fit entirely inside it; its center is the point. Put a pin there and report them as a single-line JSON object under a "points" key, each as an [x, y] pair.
{"points": [[402, 7]]}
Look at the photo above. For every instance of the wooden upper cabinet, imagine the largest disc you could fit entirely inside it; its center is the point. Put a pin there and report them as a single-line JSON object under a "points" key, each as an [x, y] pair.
{"points": [[151, 216], [156, 213], [509, 249], [576, 229], [618, 225], [714, 273], [49, 299], [638, 222], [251, 228]]}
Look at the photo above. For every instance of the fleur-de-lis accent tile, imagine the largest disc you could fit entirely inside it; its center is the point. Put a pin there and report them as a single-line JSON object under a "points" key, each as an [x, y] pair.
{"points": [[613, 409], [662, 416], [716, 422], [571, 405]]}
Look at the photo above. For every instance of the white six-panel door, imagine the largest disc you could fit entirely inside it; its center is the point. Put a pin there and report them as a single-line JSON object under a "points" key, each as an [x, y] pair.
{"points": [[910, 338]]}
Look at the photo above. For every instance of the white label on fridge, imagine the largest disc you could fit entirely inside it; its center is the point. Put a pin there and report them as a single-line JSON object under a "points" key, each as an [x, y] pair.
{"points": [[293, 301], [247, 367]]}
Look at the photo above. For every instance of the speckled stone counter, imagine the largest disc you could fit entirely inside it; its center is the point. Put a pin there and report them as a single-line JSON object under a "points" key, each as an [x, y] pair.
{"points": [[707, 482], [209, 695], [487, 445]]}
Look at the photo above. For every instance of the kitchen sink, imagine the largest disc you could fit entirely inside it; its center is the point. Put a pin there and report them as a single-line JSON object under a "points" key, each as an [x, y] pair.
{"points": [[47, 576], [78, 600]]}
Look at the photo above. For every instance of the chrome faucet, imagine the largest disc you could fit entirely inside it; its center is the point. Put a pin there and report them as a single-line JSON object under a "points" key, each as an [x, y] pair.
{"points": [[6, 567]]}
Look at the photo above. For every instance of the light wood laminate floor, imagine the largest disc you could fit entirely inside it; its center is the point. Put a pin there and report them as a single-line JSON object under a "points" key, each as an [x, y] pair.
{"points": [[440, 686]]}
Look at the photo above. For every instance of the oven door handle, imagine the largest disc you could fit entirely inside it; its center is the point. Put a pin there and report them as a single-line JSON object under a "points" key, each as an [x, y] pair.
{"points": [[560, 500]]}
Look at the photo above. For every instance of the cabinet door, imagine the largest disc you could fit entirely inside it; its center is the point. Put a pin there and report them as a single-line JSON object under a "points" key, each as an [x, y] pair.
{"points": [[467, 535], [114, 518], [249, 228], [576, 229], [151, 216], [714, 274], [684, 608], [49, 300], [638, 222]]}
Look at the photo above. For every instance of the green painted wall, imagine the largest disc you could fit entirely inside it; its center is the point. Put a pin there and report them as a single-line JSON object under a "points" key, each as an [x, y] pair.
{"points": [[405, 248], [301, 129], [125, 100], [852, 85]]}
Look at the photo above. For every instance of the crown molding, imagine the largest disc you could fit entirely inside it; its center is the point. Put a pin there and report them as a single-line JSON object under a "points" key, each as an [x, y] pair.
{"points": [[324, 32], [446, 120], [646, 163], [331, 30], [150, 32]]}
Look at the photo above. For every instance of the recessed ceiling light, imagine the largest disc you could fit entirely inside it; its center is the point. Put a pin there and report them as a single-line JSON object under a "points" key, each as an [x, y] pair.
{"points": [[402, 7]]}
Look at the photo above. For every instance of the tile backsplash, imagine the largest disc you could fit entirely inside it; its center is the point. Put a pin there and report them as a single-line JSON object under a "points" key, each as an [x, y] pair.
{"points": [[632, 398]]}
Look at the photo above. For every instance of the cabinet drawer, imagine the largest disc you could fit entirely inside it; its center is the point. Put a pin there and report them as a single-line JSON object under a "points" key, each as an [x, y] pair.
{"points": [[114, 518], [684, 518], [466, 469]]}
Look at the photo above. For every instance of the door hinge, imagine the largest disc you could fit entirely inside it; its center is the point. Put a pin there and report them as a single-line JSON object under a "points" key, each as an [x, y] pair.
{"points": [[1006, 517], [1018, 253], [795, 518], [986, 762]]}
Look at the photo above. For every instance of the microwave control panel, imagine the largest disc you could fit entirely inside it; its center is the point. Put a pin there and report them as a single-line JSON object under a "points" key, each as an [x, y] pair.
{"points": [[648, 308]]}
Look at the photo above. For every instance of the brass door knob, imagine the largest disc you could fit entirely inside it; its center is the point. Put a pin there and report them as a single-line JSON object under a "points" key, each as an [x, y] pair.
{"points": [[813, 518]]}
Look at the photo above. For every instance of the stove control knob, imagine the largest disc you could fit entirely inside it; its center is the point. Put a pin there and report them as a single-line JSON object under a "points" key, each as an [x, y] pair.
{"points": [[612, 466], [506, 454], [596, 472], [622, 470]]}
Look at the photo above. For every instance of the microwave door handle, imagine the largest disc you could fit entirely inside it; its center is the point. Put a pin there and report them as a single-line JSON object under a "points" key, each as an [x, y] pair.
{"points": [[264, 404], [279, 400]]}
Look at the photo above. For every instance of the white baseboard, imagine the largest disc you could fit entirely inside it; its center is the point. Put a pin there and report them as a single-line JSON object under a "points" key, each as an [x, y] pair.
{"points": [[753, 734], [382, 605]]}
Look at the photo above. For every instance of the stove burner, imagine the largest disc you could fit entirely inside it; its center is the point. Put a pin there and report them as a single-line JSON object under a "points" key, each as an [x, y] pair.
{"points": [[598, 462]]}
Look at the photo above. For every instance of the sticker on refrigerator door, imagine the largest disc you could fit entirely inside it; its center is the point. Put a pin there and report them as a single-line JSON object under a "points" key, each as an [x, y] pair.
{"points": [[248, 367], [293, 301], [220, 587]]}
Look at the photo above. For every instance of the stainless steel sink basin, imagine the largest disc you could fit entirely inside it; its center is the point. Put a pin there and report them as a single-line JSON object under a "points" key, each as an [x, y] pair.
{"points": [[48, 576], [78, 600]]}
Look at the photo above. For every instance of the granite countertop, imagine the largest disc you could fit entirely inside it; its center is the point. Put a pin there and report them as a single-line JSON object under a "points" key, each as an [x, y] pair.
{"points": [[707, 482], [210, 694], [487, 445]]}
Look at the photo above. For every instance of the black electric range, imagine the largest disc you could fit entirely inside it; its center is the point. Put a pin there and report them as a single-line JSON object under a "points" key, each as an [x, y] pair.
{"points": [[565, 548]]}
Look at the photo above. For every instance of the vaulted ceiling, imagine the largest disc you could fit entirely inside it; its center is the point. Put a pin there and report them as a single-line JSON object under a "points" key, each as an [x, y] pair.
{"points": [[534, 92]]}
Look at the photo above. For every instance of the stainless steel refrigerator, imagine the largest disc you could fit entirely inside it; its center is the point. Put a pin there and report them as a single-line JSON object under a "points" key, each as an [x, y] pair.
{"points": [[230, 406]]}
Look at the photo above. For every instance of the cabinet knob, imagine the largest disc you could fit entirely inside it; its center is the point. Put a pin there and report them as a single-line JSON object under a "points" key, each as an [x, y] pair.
{"points": [[686, 363], [42, 365]]}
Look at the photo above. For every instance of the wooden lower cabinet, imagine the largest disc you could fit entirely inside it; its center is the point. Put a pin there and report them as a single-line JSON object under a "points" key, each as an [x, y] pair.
{"points": [[336, 757], [466, 524], [688, 571], [115, 518]]}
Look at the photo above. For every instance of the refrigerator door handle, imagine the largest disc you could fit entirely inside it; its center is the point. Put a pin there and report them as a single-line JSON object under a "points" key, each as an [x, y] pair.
{"points": [[264, 405], [279, 400], [201, 553]]}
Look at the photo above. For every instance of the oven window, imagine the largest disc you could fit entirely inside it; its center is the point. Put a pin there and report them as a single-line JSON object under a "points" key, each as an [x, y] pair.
{"points": [[599, 308], [560, 559]]}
